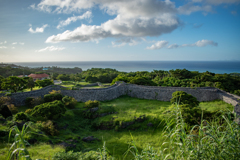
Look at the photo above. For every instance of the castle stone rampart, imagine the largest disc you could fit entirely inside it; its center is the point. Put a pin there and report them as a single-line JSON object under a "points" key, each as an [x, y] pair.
{"points": [[165, 93], [138, 91]]}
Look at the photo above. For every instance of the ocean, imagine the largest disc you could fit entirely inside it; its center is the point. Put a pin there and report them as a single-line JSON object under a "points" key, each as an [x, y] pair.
{"points": [[128, 66]]}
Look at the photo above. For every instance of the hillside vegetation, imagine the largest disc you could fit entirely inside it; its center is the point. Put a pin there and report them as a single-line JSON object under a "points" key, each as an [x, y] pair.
{"points": [[60, 127]]}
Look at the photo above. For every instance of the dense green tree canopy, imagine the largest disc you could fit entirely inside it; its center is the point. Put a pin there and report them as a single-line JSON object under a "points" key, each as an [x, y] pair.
{"points": [[44, 83], [182, 98], [13, 84]]}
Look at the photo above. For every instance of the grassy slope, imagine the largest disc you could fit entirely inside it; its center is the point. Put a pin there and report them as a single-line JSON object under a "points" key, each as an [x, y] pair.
{"points": [[117, 142]]}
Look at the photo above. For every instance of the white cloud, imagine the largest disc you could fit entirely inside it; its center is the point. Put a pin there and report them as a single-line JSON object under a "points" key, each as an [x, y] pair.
{"points": [[158, 45], [118, 45], [14, 43], [130, 41], [3, 42], [203, 43], [51, 48], [217, 2], [189, 8], [86, 15], [200, 43], [38, 29], [3, 47], [120, 27], [173, 46], [135, 18]]}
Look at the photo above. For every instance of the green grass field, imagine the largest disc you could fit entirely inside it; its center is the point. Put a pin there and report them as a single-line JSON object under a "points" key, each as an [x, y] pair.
{"points": [[125, 109]]}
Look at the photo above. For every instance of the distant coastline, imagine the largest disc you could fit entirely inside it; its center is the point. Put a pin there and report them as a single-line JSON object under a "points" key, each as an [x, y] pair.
{"points": [[220, 67]]}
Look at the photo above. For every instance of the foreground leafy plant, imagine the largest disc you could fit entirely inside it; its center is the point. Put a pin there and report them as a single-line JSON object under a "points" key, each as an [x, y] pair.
{"points": [[208, 140], [18, 148]]}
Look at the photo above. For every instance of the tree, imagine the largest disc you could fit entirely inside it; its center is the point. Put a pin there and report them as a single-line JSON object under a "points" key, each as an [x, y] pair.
{"points": [[13, 84], [183, 98], [1, 78], [63, 77], [50, 110], [142, 81], [30, 82], [44, 83], [181, 73], [54, 76], [91, 79]]}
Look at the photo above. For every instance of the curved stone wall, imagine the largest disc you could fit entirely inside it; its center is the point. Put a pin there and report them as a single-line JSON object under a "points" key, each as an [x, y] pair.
{"points": [[138, 91]]}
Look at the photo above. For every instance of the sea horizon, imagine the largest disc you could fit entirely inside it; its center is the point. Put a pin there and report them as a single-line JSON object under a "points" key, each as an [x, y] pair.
{"points": [[219, 67]]}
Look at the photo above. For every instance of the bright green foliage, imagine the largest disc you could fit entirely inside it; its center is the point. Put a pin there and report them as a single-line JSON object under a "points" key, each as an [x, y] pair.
{"points": [[49, 128], [13, 84], [142, 81], [76, 77], [1, 78], [191, 115], [63, 77], [54, 76], [21, 116], [69, 102], [28, 111], [181, 73], [53, 97], [237, 92], [4, 111], [102, 154], [51, 110], [91, 79], [30, 82], [18, 149], [92, 104], [67, 155], [182, 97], [4, 100], [204, 141], [120, 78], [44, 83]]}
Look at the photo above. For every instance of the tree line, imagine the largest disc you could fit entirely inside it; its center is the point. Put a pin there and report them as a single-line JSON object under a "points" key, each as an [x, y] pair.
{"points": [[174, 78], [7, 70]]}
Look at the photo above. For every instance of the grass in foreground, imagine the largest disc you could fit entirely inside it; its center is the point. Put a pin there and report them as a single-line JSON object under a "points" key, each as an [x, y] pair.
{"points": [[117, 140]]}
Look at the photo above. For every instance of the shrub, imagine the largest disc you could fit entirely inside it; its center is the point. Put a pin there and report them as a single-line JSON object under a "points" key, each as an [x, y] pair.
{"points": [[142, 81], [69, 102], [55, 92], [67, 155], [39, 125], [21, 116], [28, 111], [4, 111], [51, 110], [29, 101], [182, 97], [4, 100], [53, 97], [92, 104], [237, 92], [12, 108], [49, 128], [33, 101]]}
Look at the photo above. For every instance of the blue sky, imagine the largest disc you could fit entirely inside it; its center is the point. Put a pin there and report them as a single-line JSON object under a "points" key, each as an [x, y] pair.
{"points": [[119, 30]]}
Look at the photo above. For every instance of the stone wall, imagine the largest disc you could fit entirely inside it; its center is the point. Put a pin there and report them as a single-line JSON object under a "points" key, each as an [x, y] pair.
{"points": [[165, 93], [138, 91]]}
